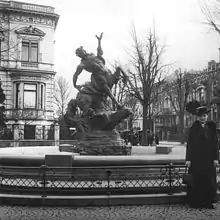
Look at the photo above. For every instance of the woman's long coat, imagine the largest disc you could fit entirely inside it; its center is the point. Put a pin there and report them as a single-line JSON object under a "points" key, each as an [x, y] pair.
{"points": [[202, 150]]}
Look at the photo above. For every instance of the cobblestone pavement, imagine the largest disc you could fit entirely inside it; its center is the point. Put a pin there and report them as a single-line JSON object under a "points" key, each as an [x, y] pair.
{"points": [[153, 212]]}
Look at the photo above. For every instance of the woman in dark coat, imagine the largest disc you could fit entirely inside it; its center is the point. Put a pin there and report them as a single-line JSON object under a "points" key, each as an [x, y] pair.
{"points": [[202, 156]]}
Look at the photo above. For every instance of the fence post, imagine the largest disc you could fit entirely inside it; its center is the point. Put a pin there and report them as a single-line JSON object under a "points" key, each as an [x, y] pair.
{"points": [[108, 172], [43, 181], [56, 134], [170, 177]]}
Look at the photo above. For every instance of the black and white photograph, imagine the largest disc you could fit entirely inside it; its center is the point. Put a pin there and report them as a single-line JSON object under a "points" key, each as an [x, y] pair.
{"points": [[109, 109]]}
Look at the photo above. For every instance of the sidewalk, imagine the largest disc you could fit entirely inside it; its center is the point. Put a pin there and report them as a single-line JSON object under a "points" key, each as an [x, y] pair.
{"points": [[146, 212]]}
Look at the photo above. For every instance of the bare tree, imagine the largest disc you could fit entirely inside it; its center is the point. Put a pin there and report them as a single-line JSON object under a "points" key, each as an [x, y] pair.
{"points": [[181, 86], [62, 94], [146, 62], [177, 89], [211, 11], [119, 91], [132, 103], [8, 47]]}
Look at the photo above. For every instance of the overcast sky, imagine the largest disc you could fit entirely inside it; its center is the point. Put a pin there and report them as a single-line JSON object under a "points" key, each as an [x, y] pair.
{"points": [[178, 25]]}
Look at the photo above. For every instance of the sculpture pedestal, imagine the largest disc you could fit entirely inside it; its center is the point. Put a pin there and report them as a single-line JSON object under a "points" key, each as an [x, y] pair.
{"points": [[103, 143]]}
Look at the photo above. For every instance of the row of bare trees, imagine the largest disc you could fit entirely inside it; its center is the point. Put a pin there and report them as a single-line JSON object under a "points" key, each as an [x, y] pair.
{"points": [[147, 81], [148, 78], [146, 74]]}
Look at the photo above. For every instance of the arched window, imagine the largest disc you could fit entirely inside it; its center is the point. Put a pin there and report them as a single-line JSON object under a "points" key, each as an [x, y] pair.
{"points": [[200, 93]]}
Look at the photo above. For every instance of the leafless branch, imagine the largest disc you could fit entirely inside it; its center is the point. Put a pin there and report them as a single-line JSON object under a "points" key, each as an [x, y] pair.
{"points": [[211, 12], [62, 94]]}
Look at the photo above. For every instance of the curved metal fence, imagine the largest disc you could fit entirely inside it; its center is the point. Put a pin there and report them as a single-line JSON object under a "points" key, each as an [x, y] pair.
{"points": [[99, 180]]}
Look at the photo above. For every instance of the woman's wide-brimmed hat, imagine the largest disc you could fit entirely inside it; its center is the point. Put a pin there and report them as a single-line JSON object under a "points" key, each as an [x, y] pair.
{"points": [[202, 110]]}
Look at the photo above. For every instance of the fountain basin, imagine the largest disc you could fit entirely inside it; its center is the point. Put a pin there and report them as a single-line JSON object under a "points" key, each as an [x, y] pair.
{"points": [[35, 157]]}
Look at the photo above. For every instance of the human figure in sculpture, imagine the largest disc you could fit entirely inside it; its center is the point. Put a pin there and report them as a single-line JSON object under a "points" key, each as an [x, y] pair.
{"points": [[101, 77]]}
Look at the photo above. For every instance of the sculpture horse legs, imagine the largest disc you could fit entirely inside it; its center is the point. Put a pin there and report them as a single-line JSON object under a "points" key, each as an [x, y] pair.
{"points": [[109, 93]]}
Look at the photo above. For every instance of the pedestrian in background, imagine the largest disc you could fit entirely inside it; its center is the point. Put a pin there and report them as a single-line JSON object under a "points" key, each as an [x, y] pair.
{"points": [[134, 137], [156, 139], [202, 155], [151, 138]]}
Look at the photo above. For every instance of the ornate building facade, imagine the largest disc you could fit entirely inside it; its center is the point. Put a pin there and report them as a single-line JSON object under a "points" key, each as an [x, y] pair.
{"points": [[203, 87], [27, 64]]}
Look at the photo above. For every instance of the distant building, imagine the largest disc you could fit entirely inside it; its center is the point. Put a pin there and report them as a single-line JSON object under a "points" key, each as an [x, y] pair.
{"points": [[204, 86], [27, 64]]}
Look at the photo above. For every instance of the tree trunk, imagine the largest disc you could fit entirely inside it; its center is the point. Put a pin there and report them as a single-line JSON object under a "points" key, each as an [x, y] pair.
{"points": [[130, 123], [144, 133]]}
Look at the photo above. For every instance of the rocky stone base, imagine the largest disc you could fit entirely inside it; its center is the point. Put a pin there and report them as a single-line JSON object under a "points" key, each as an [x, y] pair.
{"points": [[103, 143]]}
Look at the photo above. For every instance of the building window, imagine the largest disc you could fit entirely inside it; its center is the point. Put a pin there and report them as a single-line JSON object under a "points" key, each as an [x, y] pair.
{"points": [[29, 51], [167, 103], [30, 95], [17, 95], [31, 20], [29, 131], [41, 96]]}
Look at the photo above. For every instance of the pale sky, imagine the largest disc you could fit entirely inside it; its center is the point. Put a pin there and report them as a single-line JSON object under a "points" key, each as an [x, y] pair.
{"points": [[178, 26]]}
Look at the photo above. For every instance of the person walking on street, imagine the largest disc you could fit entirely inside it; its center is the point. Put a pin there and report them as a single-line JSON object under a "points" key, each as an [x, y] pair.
{"points": [[202, 155], [151, 138], [156, 139]]}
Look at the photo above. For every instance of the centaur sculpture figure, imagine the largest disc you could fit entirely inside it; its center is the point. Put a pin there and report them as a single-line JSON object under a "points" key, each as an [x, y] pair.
{"points": [[95, 122], [93, 95]]}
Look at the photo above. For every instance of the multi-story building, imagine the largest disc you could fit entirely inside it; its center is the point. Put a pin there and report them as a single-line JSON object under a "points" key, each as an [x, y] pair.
{"points": [[202, 88], [27, 64], [165, 119]]}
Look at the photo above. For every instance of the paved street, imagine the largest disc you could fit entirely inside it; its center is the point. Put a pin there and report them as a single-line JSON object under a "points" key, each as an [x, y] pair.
{"points": [[153, 212]]}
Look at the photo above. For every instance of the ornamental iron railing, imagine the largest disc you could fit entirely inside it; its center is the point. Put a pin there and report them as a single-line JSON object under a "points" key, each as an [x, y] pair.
{"points": [[97, 180]]}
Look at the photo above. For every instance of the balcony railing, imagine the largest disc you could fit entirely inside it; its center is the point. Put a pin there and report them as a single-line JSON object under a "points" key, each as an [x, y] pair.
{"points": [[31, 7], [29, 65], [25, 113]]}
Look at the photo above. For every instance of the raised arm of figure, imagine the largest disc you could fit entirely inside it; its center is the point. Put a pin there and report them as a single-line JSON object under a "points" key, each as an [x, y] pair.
{"points": [[99, 48]]}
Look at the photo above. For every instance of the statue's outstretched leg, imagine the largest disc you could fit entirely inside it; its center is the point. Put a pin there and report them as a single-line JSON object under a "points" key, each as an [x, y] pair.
{"points": [[109, 93]]}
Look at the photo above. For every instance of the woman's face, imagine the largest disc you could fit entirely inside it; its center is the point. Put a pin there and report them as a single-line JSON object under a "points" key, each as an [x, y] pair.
{"points": [[203, 117]]}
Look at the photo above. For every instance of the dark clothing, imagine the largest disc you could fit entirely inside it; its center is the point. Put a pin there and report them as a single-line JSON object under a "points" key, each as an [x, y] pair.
{"points": [[202, 150], [156, 140], [124, 136], [150, 139], [135, 139]]}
